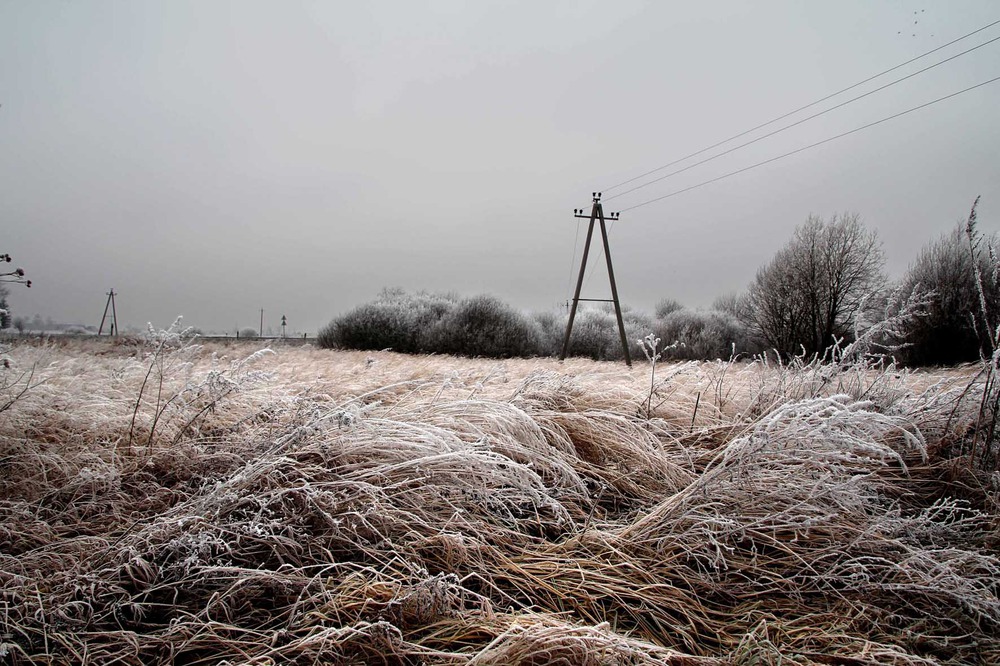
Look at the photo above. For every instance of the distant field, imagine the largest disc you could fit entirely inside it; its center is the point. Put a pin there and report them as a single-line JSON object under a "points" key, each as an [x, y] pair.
{"points": [[196, 504]]}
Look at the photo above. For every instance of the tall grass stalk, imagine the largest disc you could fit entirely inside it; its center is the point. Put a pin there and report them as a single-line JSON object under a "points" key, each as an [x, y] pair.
{"points": [[981, 446]]}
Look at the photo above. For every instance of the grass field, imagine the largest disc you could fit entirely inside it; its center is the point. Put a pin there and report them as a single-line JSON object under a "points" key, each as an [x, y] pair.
{"points": [[166, 502]]}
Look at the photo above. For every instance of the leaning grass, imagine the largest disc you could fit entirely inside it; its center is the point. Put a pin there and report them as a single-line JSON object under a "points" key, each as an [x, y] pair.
{"points": [[223, 504]]}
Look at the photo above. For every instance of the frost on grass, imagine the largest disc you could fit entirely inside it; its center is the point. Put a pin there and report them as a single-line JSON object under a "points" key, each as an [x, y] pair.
{"points": [[169, 502]]}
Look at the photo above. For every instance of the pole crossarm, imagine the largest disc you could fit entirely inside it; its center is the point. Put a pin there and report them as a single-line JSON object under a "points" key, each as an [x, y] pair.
{"points": [[611, 216], [596, 216]]}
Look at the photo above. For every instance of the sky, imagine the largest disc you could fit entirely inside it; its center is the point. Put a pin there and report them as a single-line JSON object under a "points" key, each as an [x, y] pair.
{"points": [[211, 159]]}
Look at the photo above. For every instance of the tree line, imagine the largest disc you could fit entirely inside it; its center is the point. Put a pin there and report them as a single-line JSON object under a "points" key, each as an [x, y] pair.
{"points": [[828, 284], [820, 291]]}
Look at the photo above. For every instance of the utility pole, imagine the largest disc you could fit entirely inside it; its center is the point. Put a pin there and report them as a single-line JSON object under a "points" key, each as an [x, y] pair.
{"points": [[113, 330], [596, 215], [262, 322]]}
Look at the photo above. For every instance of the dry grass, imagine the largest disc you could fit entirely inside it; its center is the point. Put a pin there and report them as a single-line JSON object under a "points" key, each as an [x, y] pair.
{"points": [[172, 503]]}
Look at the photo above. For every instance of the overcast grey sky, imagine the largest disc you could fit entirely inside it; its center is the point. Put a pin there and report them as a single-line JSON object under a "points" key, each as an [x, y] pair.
{"points": [[213, 158]]}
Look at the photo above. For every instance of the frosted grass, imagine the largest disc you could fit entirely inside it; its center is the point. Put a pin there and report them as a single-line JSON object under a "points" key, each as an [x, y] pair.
{"points": [[168, 502]]}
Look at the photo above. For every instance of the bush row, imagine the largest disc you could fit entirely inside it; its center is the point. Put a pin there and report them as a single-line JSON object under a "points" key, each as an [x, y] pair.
{"points": [[428, 323]]}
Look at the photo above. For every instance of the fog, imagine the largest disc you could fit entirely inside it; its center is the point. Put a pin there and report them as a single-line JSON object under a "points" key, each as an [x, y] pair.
{"points": [[211, 159]]}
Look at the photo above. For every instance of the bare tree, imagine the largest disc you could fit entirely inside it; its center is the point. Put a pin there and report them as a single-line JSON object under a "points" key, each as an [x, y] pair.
{"points": [[810, 293]]}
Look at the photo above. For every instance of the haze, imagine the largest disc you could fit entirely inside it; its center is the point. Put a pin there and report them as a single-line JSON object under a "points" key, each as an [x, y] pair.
{"points": [[209, 159]]}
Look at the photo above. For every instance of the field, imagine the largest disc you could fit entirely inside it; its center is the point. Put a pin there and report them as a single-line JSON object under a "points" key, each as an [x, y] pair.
{"points": [[168, 502]]}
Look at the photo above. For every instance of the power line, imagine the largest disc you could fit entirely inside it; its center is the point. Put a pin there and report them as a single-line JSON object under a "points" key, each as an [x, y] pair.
{"points": [[799, 122], [572, 262], [801, 108], [812, 145]]}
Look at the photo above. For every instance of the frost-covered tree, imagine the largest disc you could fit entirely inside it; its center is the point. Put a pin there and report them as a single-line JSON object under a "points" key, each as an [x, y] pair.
{"points": [[810, 293], [667, 305], [951, 329]]}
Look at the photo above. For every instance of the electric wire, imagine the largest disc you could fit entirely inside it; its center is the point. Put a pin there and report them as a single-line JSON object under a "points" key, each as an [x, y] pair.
{"points": [[801, 108], [782, 117], [790, 153], [812, 145], [799, 122], [572, 262]]}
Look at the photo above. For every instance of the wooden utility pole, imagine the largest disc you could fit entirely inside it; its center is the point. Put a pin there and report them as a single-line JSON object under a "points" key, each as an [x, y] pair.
{"points": [[262, 322], [596, 215], [113, 330]]}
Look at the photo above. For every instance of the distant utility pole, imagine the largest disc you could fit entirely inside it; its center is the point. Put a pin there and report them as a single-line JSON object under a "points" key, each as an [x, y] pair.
{"points": [[113, 330], [262, 322], [596, 215]]}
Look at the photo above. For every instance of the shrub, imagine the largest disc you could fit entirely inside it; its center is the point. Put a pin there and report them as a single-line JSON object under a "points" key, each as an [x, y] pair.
{"points": [[247, 334], [550, 329], [704, 335], [595, 335], [638, 325], [395, 320], [484, 326], [595, 332], [370, 326]]}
